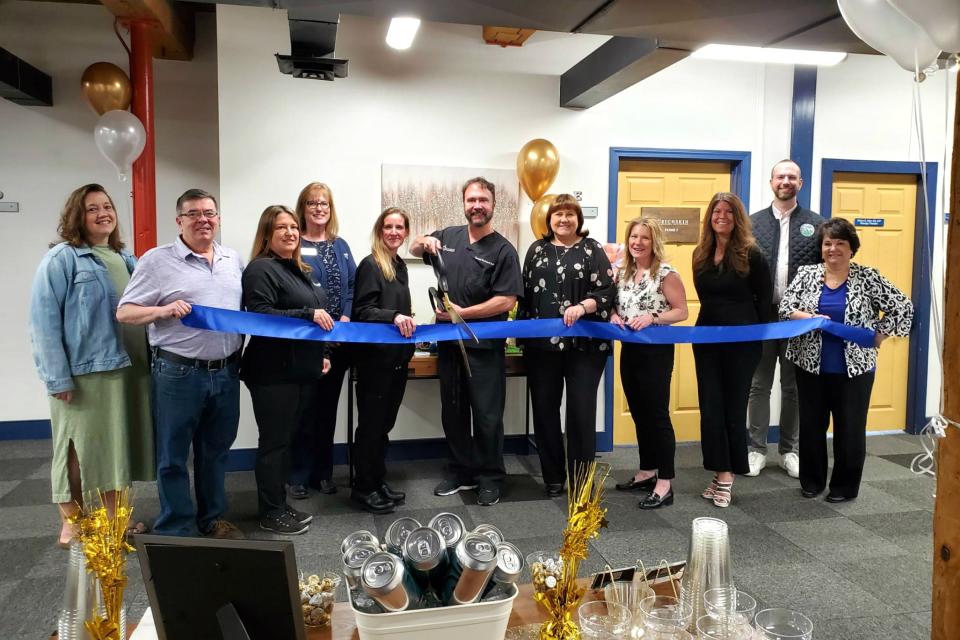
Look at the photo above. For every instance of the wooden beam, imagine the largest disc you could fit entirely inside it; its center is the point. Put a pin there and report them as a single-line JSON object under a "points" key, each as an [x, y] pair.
{"points": [[945, 624], [506, 36], [171, 24]]}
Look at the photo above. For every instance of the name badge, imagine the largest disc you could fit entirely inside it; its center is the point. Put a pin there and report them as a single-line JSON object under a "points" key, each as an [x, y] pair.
{"points": [[308, 251]]}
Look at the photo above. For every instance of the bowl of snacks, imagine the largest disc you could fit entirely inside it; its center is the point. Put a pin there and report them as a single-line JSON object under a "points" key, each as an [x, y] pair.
{"points": [[546, 569], [317, 595]]}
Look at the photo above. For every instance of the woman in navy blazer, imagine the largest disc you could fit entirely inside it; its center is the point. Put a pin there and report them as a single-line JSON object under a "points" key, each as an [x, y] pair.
{"points": [[333, 268]]}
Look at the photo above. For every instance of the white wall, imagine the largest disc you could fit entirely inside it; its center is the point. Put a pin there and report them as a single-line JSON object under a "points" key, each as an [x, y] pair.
{"points": [[49, 151]]}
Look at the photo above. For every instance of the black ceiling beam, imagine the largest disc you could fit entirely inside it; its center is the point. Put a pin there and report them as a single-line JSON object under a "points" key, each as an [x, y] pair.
{"points": [[616, 65], [23, 83]]}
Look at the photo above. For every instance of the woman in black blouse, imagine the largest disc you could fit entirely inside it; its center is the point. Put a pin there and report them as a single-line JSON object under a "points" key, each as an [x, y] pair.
{"points": [[382, 295], [565, 275], [281, 374], [733, 284]]}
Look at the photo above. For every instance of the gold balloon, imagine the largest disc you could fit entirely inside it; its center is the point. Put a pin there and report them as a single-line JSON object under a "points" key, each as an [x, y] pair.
{"points": [[537, 165], [538, 215], [106, 87]]}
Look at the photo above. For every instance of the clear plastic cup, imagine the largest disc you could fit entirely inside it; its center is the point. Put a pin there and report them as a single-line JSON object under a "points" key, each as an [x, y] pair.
{"points": [[601, 620], [711, 628], [783, 624], [729, 603], [665, 614]]}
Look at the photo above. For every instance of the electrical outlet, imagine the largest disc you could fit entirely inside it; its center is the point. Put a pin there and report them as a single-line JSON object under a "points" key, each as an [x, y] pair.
{"points": [[9, 207]]}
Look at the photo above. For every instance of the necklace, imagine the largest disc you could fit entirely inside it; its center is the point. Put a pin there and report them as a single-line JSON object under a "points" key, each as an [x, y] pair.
{"points": [[560, 254]]}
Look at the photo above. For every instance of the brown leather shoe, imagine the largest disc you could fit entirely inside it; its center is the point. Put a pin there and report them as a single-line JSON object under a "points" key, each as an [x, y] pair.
{"points": [[224, 530]]}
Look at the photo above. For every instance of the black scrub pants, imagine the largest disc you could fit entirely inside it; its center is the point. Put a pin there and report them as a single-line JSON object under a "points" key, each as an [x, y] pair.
{"points": [[847, 400], [548, 372], [645, 373], [380, 391], [278, 409], [724, 374], [475, 458]]}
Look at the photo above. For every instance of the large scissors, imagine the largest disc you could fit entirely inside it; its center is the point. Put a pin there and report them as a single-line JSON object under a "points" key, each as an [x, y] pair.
{"points": [[440, 299]]}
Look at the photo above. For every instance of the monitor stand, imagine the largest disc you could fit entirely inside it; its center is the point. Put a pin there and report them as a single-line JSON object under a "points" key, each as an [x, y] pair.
{"points": [[231, 626]]}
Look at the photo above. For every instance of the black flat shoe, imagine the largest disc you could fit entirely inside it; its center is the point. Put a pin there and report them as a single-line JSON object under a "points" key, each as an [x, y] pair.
{"points": [[633, 485], [554, 490], [299, 492], [391, 494], [807, 493], [326, 486], [372, 502], [655, 501], [835, 498]]}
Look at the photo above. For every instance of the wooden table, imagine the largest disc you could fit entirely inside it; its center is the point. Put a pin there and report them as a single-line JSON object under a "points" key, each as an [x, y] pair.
{"points": [[525, 611]]}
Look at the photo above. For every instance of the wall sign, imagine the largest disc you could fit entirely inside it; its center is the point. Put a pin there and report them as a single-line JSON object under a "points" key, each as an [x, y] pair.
{"points": [[868, 222], [590, 212], [681, 225]]}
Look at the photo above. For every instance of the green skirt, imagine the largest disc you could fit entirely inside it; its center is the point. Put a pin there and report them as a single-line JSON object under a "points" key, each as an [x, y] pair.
{"points": [[110, 425]]}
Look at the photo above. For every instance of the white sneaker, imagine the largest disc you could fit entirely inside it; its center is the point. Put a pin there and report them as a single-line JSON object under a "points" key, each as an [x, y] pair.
{"points": [[790, 463], [757, 462]]}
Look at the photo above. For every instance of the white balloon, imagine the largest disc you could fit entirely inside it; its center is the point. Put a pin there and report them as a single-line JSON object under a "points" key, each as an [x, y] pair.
{"points": [[939, 18], [888, 31], [120, 137]]}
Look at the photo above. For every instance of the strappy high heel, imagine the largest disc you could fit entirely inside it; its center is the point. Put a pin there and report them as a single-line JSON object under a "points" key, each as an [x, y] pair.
{"points": [[711, 490], [722, 495]]}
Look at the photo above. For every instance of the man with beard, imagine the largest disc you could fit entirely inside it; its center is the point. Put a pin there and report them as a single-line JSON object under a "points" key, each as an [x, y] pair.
{"points": [[483, 277], [195, 373], [787, 234]]}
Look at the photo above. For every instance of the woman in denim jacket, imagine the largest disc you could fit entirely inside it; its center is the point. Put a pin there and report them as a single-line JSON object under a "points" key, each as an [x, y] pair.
{"points": [[95, 369]]}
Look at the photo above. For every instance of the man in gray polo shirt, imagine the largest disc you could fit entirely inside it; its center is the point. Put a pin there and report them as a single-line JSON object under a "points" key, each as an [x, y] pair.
{"points": [[196, 384]]}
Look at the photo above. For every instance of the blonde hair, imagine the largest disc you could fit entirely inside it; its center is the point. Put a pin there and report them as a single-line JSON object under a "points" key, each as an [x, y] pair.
{"points": [[657, 248], [332, 226], [261, 241], [381, 254], [736, 255]]}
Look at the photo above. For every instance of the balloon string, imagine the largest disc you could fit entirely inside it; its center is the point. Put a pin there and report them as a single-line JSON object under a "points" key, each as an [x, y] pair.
{"points": [[116, 23]]}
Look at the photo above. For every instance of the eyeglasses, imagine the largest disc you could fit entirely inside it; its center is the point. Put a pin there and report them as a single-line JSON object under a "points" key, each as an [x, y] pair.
{"points": [[318, 204], [194, 214]]}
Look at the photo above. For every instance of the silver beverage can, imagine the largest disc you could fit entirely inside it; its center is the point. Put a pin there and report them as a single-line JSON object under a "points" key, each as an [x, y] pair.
{"points": [[352, 561], [358, 536], [449, 526], [425, 553], [473, 562], [490, 531], [386, 580], [397, 532], [507, 572]]}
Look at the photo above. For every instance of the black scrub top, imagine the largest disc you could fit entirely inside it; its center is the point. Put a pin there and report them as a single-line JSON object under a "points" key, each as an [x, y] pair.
{"points": [[478, 271]]}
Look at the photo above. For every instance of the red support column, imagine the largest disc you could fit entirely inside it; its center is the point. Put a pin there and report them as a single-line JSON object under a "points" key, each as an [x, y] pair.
{"points": [[144, 169]]}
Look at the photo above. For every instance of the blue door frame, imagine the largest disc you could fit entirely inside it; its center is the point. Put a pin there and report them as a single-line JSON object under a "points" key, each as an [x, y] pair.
{"points": [[739, 184], [922, 247]]}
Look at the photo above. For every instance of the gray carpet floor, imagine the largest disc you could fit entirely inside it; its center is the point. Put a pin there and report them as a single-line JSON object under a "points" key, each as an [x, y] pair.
{"points": [[860, 570]]}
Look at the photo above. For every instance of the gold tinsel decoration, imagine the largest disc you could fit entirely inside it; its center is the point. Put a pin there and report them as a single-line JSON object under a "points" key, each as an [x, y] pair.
{"points": [[585, 517], [104, 539]]}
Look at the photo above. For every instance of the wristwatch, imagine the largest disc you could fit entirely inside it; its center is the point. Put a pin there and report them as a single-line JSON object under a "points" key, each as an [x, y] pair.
{"points": [[655, 316]]}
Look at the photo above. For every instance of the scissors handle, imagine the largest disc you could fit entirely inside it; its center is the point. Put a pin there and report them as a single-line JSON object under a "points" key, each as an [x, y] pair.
{"points": [[436, 300]]}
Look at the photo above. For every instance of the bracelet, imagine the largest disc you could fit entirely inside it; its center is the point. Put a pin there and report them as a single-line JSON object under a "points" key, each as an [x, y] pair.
{"points": [[584, 307]]}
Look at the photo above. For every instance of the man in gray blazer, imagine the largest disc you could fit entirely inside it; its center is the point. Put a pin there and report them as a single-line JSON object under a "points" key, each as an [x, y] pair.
{"points": [[787, 234]]}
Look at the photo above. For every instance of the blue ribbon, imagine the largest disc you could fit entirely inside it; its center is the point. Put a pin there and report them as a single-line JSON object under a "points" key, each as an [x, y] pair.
{"points": [[259, 324]]}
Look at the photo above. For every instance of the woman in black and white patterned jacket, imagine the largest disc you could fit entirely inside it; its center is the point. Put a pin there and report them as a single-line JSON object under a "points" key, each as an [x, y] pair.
{"points": [[835, 377]]}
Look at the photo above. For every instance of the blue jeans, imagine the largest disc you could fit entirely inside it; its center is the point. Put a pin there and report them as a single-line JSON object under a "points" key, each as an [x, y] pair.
{"points": [[199, 407]]}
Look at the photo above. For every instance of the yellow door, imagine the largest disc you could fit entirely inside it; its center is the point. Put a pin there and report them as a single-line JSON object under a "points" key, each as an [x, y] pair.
{"points": [[667, 184], [889, 202]]}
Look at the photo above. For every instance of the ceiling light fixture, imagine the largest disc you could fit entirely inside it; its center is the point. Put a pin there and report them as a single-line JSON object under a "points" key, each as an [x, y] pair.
{"points": [[769, 54], [402, 31]]}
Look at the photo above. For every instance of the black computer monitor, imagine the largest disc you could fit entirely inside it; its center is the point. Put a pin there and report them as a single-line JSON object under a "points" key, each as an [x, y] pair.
{"points": [[192, 583]]}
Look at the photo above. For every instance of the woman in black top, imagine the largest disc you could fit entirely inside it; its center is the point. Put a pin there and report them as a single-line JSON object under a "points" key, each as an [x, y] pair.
{"points": [[381, 295], [734, 287], [565, 275], [281, 374]]}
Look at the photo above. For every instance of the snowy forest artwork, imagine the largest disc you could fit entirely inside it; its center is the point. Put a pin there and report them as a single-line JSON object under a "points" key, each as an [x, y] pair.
{"points": [[433, 197]]}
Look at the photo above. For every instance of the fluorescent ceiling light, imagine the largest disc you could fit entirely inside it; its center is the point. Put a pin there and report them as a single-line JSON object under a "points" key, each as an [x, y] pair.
{"points": [[402, 31], [769, 54]]}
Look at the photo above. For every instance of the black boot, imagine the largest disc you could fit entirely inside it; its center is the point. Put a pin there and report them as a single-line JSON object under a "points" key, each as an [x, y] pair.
{"points": [[392, 494], [373, 502]]}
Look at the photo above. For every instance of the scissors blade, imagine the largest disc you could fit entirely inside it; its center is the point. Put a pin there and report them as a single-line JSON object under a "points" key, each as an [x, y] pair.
{"points": [[457, 319]]}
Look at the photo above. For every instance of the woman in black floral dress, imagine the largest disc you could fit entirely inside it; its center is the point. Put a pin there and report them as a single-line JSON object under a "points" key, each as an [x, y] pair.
{"points": [[649, 292], [565, 275]]}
